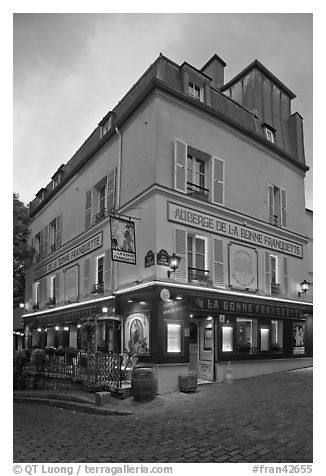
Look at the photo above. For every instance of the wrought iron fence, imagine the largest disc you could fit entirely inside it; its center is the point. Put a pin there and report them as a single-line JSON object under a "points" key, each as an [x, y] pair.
{"points": [[91, 368]]}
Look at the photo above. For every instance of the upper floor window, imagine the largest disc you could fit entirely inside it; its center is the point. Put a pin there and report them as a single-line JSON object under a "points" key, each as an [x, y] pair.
{"points": [[40, 195], [52, 289], [107, 126], [198, 174], [269, 133], [277, 206], [53, 235], [195, 91], [100, 200], [36, 295], [276, 274], [99, 275], [197, 257]]}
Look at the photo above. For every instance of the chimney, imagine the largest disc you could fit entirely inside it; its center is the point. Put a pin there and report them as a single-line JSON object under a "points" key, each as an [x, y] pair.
{"points": [[214, 68]]}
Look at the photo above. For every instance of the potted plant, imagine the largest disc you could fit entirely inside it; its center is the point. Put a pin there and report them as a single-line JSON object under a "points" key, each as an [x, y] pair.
{"points": [[188, 382]]}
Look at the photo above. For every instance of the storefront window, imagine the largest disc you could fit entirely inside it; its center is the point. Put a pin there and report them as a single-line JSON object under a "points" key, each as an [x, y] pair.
{"points": [[264, 339], [298, 338], [227, 339], [277, 336], [173, 337], [208, 338], [246, 335]]}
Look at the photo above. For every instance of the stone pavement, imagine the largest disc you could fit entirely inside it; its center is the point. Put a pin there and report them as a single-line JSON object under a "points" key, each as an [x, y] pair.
{"points": [[261, 419]]}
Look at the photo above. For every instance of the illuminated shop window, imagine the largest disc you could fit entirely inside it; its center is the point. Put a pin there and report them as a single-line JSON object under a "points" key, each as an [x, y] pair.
{"points": [[173, 337], [208, 337], [247, 335], [277, 335], [227, 339], [264, 339]]}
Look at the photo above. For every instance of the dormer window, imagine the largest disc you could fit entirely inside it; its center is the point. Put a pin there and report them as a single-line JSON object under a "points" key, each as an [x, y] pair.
{"points": [[195, 91], [40, 196], [57, 177], [269, 133], [107, 125]]}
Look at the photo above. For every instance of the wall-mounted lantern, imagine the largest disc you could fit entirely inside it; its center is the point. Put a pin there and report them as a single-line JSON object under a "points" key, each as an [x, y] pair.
{"points": [[174, 262], [304, 287]]}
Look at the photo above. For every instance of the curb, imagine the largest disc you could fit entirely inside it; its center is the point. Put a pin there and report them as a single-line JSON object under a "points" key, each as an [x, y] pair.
{"points": [[69, 405]]}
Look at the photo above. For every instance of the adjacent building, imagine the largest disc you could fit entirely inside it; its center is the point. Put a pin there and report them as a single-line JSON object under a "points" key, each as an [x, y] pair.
{"points": [[212, 172]]}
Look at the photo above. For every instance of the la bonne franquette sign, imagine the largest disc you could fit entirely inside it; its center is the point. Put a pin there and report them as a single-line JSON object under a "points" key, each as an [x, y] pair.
{"points": [[210, 223]]}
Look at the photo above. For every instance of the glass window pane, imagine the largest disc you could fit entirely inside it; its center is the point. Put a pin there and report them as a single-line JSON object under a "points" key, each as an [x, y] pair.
{"points": [[246, 335], [277, 335], [264, 339], [227, 339], [208, 338], [173, 337]]}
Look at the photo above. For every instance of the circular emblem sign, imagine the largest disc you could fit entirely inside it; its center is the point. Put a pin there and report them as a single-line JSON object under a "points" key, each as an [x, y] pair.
{"points": [[165, 294]]}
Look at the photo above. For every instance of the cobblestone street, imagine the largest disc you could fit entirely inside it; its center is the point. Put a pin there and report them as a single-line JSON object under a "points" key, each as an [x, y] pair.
{"points": [[261, 419]]}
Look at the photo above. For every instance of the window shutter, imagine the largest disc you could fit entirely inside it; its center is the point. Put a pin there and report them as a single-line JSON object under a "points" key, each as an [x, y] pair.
{"points": [[58, 231], [180, 166], [107, 272], [217, 180], [57, 287], [111, 190], [285, 277], [283, 209], [271, 204], [218, 270], [87, 273], [267, 271], [45, 240], [180, 236], [88, 216]]}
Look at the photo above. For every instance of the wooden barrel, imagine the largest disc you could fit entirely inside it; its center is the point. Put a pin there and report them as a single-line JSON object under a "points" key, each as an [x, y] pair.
{"points": [[143, 383]]}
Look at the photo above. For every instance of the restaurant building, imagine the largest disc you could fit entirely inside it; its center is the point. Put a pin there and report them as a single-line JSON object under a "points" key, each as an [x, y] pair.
{"points": [[212, 172]]}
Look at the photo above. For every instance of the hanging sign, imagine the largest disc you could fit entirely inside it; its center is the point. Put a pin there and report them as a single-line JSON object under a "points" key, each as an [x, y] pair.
{"points": [[123, 242], [163, 258], [149, 259]]}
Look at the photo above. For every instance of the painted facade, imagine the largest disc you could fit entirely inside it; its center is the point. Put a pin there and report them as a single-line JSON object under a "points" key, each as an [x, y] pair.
{"points": [[210, 171]]}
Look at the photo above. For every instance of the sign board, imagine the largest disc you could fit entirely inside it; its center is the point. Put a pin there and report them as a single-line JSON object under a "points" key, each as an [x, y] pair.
{"points": [[84, 248], [149, 259], [210, 223], [123, 242], [163, 258], [243, 265]]}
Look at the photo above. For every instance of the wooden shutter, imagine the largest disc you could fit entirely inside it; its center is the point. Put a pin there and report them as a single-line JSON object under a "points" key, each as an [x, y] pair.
{"points": [[283, 209], [217, 180], [267, 272], [285, 276], [57, 287], [271, 204], [107, 272], [88, 215], [58, 232], [180, 166], [180, 240], [87, 274], [45, 241], [218, 269], [111, 190]]}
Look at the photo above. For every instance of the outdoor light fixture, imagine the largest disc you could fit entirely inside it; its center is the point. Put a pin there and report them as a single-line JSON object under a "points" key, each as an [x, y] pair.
{"points": [[78, 326], [66, 328], [21, 305], [39, 330], [57, 328], [174, 262], [105, 309], [304, 287]]}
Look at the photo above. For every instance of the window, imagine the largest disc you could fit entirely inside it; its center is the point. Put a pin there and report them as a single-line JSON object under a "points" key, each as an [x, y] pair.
{"points": [[277, 206], [107, 126], [227, 339], [264, 339], [173, 337], [37, 247], [274, 270], [53, 235], [52, 289], [99, 275], [273, 275], [246, 335], [196, 255], [277, 336], [208, 337], [195, 91], [100, 200], [36, 295], [196, 180], [269, 134]]}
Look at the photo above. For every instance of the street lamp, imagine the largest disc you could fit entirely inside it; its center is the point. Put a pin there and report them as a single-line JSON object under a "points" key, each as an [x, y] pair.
{"points": [[174, 262], [304, 287]]}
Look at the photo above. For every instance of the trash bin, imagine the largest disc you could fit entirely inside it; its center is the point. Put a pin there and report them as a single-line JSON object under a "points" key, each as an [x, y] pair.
{"points": [[143, 383]]}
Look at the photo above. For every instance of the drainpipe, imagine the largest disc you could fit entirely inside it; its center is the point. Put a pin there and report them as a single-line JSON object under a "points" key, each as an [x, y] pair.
{"points": [[117, 195], [117, 202]]}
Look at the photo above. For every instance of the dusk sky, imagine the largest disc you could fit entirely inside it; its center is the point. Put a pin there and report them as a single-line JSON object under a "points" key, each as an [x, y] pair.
{"points": [[71, 69]]}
